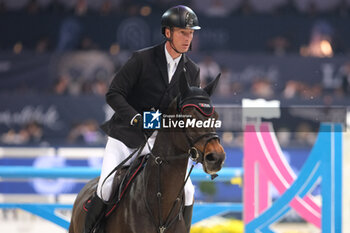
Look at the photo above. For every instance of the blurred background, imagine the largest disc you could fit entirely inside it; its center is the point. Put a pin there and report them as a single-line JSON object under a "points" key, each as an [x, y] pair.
{"points": [[57, 58]]}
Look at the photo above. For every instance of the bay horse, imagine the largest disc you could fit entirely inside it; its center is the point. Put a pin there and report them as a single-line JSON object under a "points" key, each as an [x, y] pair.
{"points": [[154, 200]]}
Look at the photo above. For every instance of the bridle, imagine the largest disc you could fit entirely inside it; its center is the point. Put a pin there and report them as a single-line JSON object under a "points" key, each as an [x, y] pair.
{"points": [[194, 154]]}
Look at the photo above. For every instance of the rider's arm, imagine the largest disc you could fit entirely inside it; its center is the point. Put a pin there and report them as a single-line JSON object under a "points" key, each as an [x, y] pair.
{"points": [[121, 86]]}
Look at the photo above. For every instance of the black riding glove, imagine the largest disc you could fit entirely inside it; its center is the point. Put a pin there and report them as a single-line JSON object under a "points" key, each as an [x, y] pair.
{"points": [[137, 121]]}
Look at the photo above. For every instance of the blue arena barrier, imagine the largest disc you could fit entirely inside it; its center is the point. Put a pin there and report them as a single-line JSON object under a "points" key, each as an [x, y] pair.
{"points": [[47, 211], [225, 174]]}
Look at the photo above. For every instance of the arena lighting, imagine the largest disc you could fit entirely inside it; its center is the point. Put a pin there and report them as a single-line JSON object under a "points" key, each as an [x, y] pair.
{"points": [[326, 48], [114, 49], [18, 47], [145, 10], [322, 48]]}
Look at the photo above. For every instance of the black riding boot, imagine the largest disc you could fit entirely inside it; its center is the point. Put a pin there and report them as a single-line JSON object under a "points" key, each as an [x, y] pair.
{"points": [[95, 210], [188, 216]]}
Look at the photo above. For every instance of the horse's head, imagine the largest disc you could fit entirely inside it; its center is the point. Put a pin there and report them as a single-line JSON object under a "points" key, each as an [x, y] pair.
{"points": [[202, 141]]}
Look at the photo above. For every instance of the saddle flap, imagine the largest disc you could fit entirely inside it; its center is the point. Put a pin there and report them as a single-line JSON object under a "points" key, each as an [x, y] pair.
{"points": [[122, 180]]}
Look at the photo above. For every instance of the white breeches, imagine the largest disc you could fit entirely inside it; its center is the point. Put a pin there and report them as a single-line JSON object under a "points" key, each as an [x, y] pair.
{"points": [[115, 153]]}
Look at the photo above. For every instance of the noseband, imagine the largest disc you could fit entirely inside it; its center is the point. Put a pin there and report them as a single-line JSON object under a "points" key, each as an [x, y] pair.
{"points": [[195, 154]]}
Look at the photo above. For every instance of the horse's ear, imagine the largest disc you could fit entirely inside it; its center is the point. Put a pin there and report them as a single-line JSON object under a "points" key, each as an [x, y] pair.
{"points": [[210, 88], [183, 86]]}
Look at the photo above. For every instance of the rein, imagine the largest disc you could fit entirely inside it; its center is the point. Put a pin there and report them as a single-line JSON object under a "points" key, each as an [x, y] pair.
{"points": [[193, 153], [196, 156], [163, 226], [138, 151]]}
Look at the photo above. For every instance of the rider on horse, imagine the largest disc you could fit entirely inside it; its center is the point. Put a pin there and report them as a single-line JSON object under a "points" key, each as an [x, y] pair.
{"points": [[148, 81]]}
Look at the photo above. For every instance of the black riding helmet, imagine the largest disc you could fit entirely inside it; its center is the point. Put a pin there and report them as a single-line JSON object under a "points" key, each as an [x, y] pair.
{"points": [[180, 16]]}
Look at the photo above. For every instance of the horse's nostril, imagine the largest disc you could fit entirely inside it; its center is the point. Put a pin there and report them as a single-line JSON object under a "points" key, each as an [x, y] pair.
{"points": [[210, 157]]}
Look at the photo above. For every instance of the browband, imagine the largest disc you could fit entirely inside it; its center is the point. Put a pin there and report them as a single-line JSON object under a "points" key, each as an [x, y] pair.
{"points": [[201, 109], [202, 103]]}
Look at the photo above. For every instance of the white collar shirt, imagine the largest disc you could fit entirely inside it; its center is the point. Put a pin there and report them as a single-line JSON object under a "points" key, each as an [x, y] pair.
{"points": [[171, 63]]}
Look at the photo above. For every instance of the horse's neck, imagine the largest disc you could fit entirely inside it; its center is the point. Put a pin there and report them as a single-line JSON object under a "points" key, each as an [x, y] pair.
{"points": [[171, 173], [165, 148]]}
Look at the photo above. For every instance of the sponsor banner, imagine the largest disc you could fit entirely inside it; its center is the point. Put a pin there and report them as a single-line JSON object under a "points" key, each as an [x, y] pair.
{"points": [[55, 115]]}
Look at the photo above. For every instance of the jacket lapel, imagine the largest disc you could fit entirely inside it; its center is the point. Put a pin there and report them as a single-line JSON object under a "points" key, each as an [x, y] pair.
{"points": [[179, 71], [161, 62]]}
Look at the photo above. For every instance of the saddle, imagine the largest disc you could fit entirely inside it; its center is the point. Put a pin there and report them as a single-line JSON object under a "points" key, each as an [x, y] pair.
{"points": [[122, 180]]}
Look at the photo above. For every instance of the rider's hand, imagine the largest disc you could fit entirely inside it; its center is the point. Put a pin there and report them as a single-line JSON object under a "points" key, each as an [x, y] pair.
{"points": [[137, 121]]}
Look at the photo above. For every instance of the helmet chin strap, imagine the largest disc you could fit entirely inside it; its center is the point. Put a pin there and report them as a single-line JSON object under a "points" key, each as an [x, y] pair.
{"points": [[171, 42], [173, 46]]}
